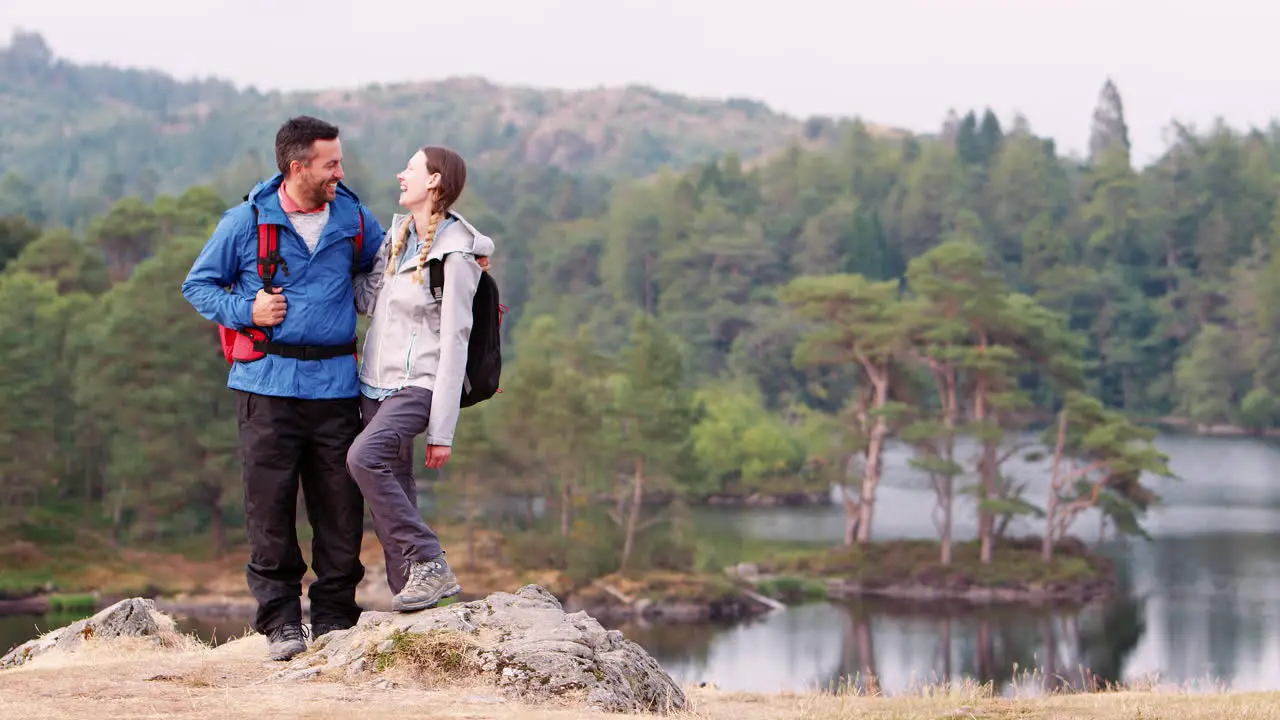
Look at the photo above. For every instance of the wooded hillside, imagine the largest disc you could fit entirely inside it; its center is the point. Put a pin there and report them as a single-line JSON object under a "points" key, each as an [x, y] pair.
{"points": [[722, 328]]}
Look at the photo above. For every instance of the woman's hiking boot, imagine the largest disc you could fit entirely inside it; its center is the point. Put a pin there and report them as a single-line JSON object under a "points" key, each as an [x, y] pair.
{"points": [[286, 641], [430, 581]]}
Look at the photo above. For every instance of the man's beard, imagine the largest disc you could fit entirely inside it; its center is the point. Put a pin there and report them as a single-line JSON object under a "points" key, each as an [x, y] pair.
{"points": [[320, 193]]}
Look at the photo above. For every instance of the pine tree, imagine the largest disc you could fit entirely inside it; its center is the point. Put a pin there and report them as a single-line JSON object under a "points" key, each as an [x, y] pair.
{"points": [[855, 323], [653, 413]]}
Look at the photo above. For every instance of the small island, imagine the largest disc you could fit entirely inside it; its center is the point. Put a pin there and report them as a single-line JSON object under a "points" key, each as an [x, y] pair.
{"points": [[911, 570]]}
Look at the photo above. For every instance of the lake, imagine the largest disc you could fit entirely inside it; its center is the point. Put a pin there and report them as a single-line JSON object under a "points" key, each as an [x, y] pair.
{"points": [[1200, 605]]}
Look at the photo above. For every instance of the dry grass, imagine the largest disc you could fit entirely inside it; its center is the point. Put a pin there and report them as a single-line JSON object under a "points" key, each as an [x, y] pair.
{"points": [[658, 586], [90, 564], [975, 704], [131, 679], [219, 582], [191, 583], [434, 658]]}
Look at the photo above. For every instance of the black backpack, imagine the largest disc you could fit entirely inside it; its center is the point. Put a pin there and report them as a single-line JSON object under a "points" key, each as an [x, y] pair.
{"points": [[484, 350]]}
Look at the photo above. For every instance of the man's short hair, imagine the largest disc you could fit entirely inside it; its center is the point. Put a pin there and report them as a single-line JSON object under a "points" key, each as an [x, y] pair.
{"points": [[295, 138]]}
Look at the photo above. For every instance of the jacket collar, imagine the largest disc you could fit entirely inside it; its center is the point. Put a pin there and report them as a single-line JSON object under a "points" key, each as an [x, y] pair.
{"points": [[265, 197]]}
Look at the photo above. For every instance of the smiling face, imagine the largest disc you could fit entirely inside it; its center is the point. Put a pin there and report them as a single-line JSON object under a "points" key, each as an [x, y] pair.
{"points": [[318, 178], [417, 181]]}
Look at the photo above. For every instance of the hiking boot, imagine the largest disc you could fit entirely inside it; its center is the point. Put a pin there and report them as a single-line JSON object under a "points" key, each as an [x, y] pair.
{"points": [[317, 630], [286, 641], [429, 582]]}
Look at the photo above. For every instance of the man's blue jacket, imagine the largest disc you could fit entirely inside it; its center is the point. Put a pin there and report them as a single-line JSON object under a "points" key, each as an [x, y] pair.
{"points": [[317, 289]]}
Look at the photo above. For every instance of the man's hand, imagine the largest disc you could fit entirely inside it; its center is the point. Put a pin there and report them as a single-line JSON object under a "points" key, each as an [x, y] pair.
{"points": [[268, 309], [483, 261], [438, 455]]}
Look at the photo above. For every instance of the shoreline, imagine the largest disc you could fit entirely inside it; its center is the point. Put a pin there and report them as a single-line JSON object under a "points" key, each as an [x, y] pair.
{"points": [[1186, 426], [899, 570], [798, 498], [975, 596]]}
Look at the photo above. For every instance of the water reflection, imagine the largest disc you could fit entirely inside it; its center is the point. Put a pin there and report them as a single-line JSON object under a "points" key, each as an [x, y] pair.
{"points": [[892, 648], [787, 650], [1211, 610], [1198, 608]]}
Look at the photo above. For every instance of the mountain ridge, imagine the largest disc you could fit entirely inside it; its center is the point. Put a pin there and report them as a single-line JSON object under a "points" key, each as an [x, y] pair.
{"points": [[85, 135]]}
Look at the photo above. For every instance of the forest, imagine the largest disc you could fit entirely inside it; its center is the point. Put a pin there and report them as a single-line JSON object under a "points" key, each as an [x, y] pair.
{"points": [[720, 330]]}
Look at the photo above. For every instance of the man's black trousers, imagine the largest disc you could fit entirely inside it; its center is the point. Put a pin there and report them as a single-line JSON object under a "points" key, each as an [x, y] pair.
{"points": [[284, 442]]}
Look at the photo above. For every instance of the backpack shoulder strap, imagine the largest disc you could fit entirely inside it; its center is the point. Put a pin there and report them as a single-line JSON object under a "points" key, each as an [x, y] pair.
{"points": [[357, 243], [435, 274], [435, 267], [268, 251]]}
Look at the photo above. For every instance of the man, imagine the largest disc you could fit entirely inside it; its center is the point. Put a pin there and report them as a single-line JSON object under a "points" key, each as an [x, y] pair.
{"points": [[299, 407]]}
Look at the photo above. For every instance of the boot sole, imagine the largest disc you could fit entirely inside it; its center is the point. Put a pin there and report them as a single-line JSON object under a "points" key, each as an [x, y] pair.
{"points": [[398, 605]]}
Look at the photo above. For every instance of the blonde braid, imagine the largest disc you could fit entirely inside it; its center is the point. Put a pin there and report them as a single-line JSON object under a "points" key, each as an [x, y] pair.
{"points": [[427, 238], [398, 247]]}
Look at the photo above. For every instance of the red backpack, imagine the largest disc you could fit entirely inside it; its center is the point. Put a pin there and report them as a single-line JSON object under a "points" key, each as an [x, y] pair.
{"points": [[252, 343]]}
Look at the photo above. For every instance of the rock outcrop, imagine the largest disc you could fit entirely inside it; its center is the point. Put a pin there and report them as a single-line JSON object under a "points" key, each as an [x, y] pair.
{"points": [[524, 642], [135, 617]]}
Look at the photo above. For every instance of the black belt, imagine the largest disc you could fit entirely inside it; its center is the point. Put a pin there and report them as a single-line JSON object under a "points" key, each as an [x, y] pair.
{"points": [[306, 352]]}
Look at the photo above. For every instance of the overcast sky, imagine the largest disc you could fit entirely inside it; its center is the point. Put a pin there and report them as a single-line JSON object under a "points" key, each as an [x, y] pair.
{"points": [[900, 62]]}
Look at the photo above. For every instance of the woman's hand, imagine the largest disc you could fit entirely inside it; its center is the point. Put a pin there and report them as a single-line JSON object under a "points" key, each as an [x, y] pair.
{"points": [[438, 455]]}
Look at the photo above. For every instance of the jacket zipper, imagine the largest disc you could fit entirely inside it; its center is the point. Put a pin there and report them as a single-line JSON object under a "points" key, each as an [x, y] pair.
{"points": [[408, 359], [382, 332]]}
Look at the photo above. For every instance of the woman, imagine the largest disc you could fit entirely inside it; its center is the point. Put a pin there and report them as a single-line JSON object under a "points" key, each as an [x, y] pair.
{"points": [[415, 355]]}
